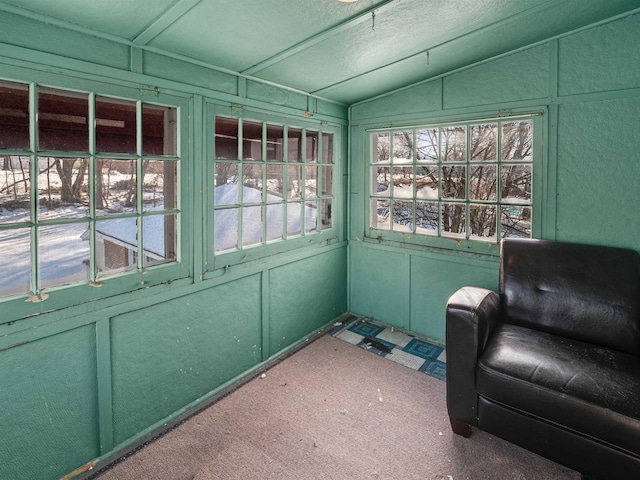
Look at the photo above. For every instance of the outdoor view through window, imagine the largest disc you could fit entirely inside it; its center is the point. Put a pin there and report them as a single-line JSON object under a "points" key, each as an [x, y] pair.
{"points": [[87, 191], [463, 181]]}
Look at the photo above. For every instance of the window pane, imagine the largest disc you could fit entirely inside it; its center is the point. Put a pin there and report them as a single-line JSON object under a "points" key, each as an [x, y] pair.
{"points": [[453, 182], [380, 148], [482, 222], [403, 147], [63, 187], [311, 216], [294, 219], [275, 221], [453, 143], [294, 181], [275, 143], [226, 229], [453, 220], [327, 181], [403, 182], [380, 214], [515, 222], [15, 262], [159, 239], [427, 182], [484, 142], [294, 145], [251, 225], [380, 179], [312, 146], [516, 183], [312, 181], [226, 180], [15, 188], [427, 145], [116, 186], [63, 120], [226, 138], [251, 141], [159, 130], [160, 184], [275, 183], [115, 126], [327, 148], [403, 216], [325, 209], [252, 181], [427, 218], [116, 246], [14, 116], [517, 140], [483, 182], [64, 254]]}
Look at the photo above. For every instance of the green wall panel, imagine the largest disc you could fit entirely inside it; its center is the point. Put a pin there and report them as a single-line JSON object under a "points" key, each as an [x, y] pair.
{"points": [[380, 284], [598, 172], [433, 281], [48, 406], [179, 71], [425, 97], [601, 59], [521, 76], [168, 355], [276, 96], [306, 295], [51, 39]]}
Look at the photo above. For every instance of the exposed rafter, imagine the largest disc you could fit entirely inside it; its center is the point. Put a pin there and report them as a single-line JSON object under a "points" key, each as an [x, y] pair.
{"points": [[164, 21]]}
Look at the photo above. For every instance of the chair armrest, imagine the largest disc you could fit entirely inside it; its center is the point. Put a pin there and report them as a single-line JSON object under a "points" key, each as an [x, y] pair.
{"points": [[471, 314]]}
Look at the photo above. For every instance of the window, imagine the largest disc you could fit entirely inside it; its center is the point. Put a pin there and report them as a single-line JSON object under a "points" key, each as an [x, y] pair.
{"points": [[88, 187], [272, 183], [463, 181]]}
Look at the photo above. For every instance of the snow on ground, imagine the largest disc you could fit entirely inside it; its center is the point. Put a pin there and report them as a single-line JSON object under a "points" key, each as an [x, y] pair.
{"points": [[64, 249]]}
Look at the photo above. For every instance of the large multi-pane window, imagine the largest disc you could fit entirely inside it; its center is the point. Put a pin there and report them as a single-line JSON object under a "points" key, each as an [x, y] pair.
{"points": [[88, 187], [272, 182], [466, 180]]}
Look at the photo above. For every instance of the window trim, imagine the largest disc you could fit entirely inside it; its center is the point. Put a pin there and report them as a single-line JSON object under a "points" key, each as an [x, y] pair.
{"points": [[62, 296], [539, 162], [247, 254]]}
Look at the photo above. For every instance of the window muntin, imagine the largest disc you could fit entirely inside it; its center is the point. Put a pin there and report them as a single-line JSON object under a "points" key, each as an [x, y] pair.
{"points": [[465, 180], [272, 182], [93, 181]]}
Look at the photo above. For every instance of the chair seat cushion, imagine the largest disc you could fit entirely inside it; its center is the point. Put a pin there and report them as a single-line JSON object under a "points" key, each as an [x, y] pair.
{"points": [[581, 387]]}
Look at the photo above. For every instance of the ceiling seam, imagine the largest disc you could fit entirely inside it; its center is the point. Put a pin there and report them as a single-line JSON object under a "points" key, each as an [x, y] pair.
{"points": [[477, 31], [495, 57], [123, 41], [319, 37], [164, 21]]}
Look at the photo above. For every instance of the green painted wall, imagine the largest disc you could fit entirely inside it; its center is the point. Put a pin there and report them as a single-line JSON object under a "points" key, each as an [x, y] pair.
{"points": [[589, 85], [81, 382]]}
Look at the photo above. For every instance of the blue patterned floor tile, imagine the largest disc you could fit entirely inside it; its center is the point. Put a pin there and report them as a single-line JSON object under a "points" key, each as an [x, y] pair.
{"points": [[366, 329], [436, 369], [423, 349]]}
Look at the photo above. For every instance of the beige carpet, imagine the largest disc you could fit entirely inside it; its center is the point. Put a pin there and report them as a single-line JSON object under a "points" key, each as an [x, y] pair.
{"points": [[332, 411]]}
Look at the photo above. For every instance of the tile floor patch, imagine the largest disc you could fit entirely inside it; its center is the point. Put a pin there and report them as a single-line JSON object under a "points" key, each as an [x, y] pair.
{"points": [[423, 349], [405, 349], [366, 329], [349, 336], [400, 339]]}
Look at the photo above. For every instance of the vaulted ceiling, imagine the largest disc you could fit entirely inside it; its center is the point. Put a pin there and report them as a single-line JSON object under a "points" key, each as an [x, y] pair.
{"points": [[345, 52]]}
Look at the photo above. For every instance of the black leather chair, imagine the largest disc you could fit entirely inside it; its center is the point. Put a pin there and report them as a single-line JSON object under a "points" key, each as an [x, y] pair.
{"points": [[552, 362]]}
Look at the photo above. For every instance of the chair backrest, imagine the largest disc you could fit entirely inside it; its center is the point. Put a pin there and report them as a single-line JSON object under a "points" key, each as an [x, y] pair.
{"points": [[585, 292]]}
